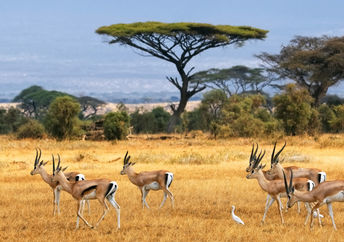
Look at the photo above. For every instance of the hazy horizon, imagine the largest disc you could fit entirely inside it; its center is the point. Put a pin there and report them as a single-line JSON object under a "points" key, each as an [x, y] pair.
{"points": [[54, 44]]}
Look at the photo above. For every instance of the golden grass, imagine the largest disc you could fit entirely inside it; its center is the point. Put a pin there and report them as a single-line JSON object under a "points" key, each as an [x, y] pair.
{"points": [[209, 178]]}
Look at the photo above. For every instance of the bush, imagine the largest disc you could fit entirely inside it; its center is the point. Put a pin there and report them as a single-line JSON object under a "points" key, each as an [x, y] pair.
{"points": [[116, 125], [337, 122], [32, 129], [62, 119], [11, 120], [293, 108], [150, 122], [246, 116]]}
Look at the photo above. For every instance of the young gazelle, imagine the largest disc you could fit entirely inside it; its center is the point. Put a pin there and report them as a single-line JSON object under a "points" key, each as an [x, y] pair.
{"points": [[326, 192], [38, 168], [274, 187], [149, 180], [100, 189]]}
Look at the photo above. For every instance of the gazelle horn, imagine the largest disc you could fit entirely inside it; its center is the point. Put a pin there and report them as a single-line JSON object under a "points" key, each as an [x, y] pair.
{"points": [[53, 163], [125, 161], [278, 153]]}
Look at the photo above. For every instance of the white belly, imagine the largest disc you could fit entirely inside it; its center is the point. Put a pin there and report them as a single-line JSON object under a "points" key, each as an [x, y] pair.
{"points": [[339, 197], [90, 196], [152, 186]]}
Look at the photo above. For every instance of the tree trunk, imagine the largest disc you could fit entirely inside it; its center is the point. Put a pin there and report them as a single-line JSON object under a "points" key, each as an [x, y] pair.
{"points": [[177, 113]]}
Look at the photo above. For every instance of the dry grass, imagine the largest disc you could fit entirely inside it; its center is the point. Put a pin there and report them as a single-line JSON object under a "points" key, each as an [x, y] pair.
{"points": [[209, 178]]}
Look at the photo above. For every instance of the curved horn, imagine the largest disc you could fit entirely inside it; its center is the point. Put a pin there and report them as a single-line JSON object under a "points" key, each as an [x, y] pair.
{"points": [[291, 179], [273, 153], [40, 153], [251, 156], [35, 163], [261, 157], [53, 163], [125, 158], [58, 164], [279, 152], [285, 183]]}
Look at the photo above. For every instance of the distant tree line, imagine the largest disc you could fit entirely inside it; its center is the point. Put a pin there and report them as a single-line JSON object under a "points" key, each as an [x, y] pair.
{"points": [[236, 106]]}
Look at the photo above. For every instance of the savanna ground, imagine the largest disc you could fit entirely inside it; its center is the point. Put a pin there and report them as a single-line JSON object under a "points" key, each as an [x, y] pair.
{"points": [[209, 177]]}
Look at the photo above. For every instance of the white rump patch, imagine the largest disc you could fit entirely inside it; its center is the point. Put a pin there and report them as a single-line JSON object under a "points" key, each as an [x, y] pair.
{"points": [[169, 178], [311, 185], [322, 176], [80, 177]]}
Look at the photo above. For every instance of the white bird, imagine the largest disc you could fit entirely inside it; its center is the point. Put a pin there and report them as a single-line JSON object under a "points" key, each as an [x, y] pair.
{"points": [[236, 218]]}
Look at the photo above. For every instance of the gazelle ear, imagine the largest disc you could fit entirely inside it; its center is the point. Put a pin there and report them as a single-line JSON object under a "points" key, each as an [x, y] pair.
{"points": [[133, 163], [45, 163], [293, 189], [65, 168], [263, 166]]}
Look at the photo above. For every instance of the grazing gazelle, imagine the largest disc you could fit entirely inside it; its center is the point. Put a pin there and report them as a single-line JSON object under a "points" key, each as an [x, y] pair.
{"points": [[274, 187], [326, 192], [149, 180], [99, 189], [38, 168]]}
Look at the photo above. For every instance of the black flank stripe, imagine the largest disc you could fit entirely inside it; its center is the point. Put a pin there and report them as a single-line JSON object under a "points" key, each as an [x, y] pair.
{"points": [[319, 177], [88, 189], [109, 190], [166, 177]]}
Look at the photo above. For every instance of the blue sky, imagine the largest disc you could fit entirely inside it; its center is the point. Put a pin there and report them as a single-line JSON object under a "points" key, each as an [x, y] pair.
{"points": [[53, 43]]}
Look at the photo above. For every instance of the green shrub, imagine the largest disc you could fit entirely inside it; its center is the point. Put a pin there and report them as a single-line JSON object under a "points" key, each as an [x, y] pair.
{"points": [[62, 118], [337, 122], [116, 125], [150, 122], [31, 129], [293, 108]]}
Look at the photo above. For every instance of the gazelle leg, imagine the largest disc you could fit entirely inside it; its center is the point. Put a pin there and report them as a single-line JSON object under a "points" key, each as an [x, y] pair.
{"points": [[298, 207], [105, 210], [164, 199], [144, 193], [58, 192], [113, 202], [313, 209], [80, 216], [165, 189], [308, 212], [279, 208], [88, 207], [55, 203], [330, 211], [267, 206]]}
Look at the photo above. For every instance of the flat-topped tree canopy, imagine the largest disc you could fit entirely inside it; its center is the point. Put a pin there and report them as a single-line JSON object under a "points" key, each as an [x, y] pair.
{"points": [[178, 43], [162, 39]]}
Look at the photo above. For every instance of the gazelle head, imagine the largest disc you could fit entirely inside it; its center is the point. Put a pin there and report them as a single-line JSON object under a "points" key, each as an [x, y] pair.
{"points": [[251, 161], [256, 167], [58, 171], [275, 166], [292, 199], [38, 165], [126, 164]]}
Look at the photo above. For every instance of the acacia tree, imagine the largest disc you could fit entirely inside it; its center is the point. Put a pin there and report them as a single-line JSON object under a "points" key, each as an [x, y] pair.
{"points": [[178, 43], [234, 80], [314, 63]]}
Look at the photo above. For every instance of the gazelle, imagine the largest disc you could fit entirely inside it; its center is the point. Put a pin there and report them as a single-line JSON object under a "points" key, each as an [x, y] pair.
{"points": [[99, 189], [38, 168], [149, 180], [326, 192], [314, 174], [274, 187], [267, 175]]}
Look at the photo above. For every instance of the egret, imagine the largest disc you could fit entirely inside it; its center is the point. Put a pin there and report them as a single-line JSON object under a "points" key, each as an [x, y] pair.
{"points": [[236, 218]]}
